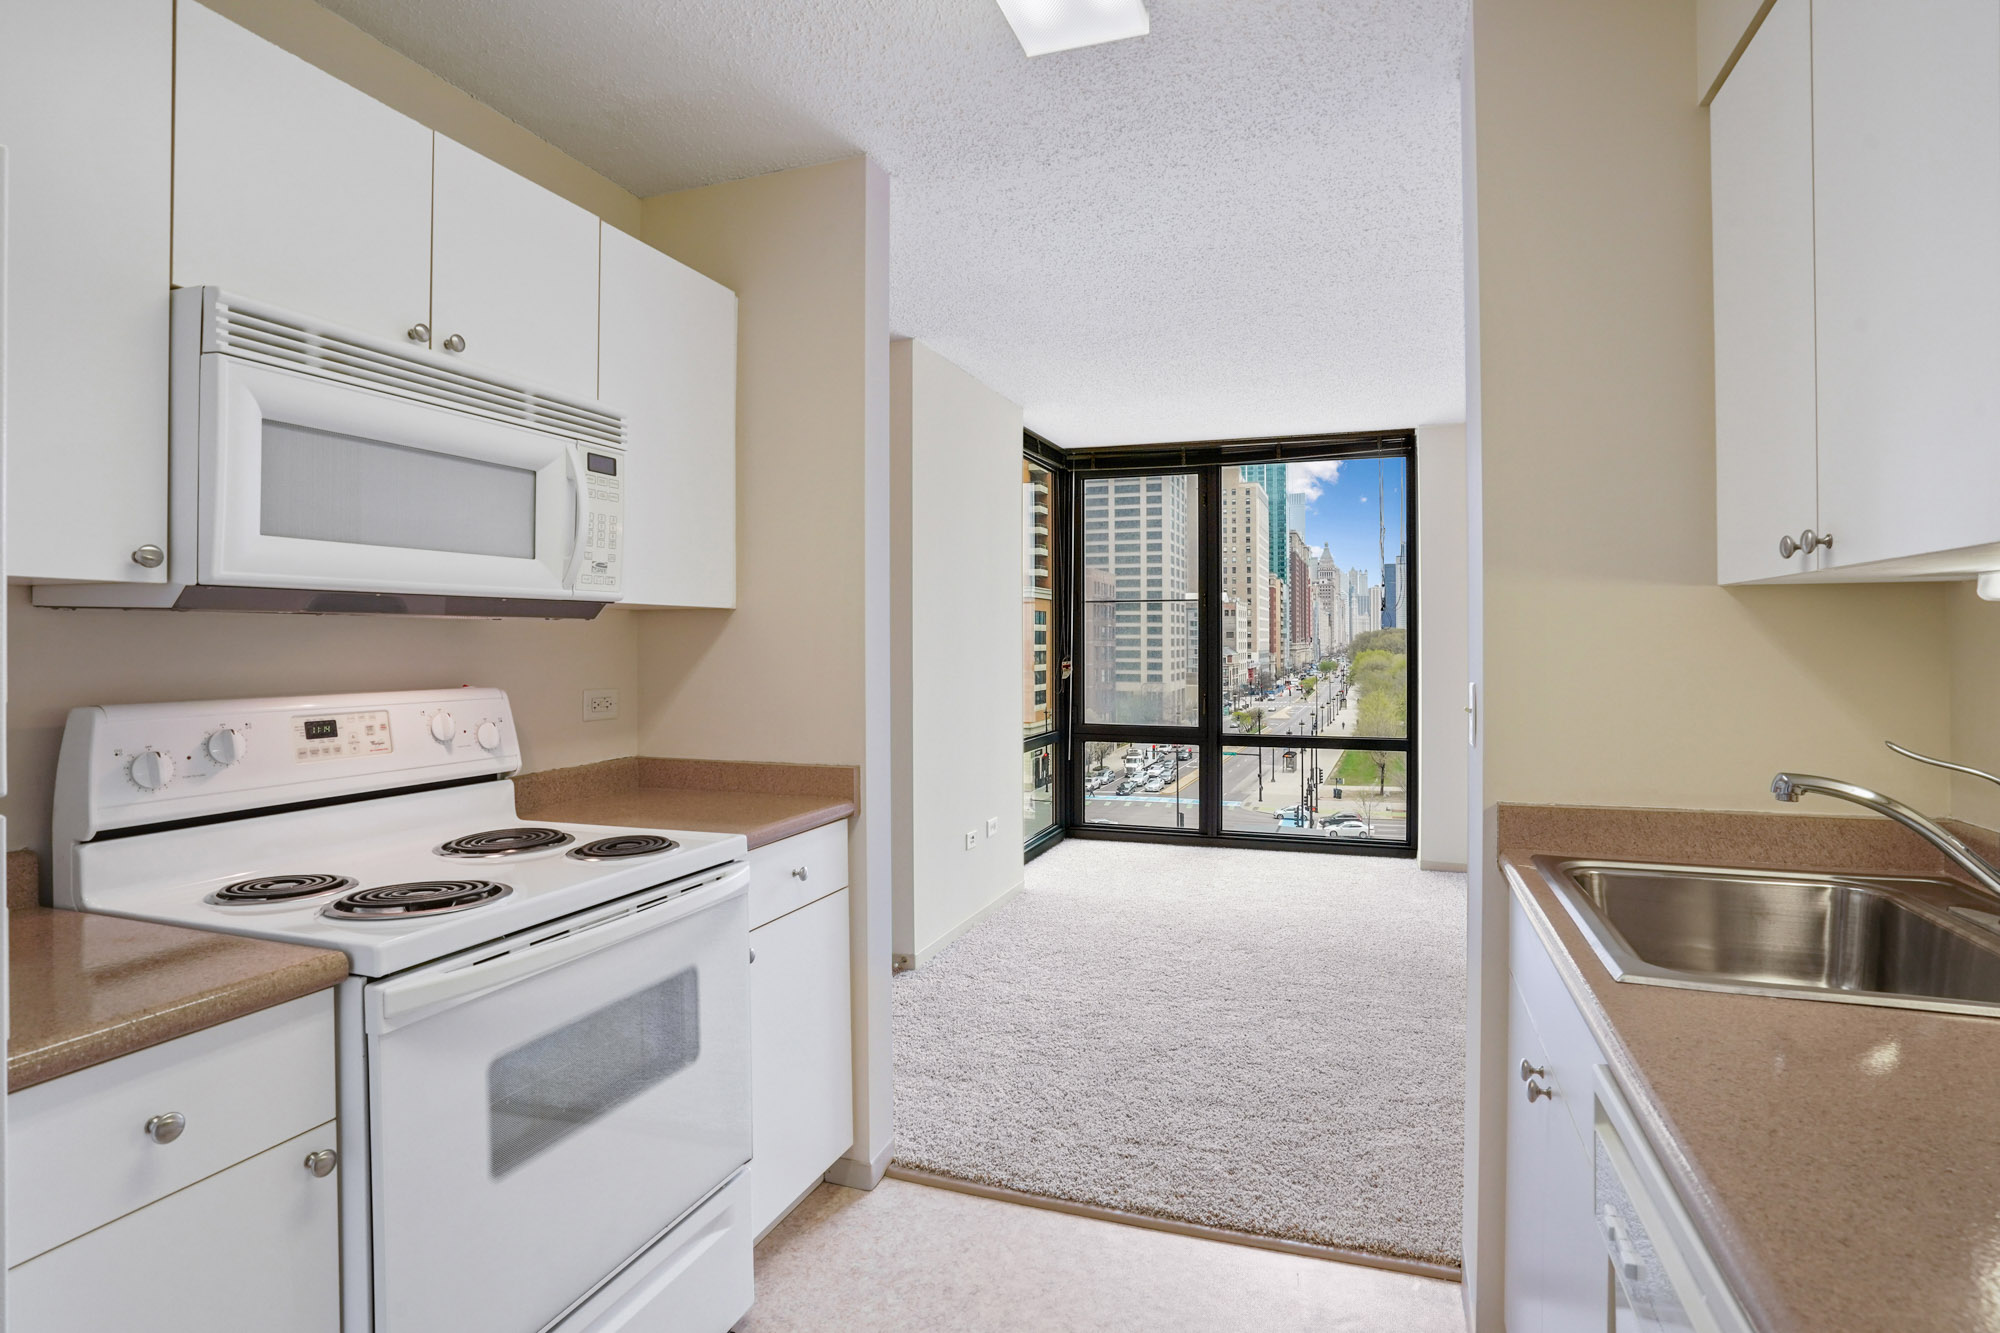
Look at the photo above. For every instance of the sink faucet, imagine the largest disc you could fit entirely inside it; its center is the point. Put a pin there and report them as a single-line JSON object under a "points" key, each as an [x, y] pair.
{"points": [[1791, 786]]}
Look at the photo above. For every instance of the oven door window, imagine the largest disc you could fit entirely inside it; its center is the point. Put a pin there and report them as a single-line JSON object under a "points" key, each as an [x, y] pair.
{"points": [[325, 486], [541, 1093]]}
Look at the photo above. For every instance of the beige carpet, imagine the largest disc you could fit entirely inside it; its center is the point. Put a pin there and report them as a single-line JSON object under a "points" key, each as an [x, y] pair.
{"points": [[1270, 1042]]}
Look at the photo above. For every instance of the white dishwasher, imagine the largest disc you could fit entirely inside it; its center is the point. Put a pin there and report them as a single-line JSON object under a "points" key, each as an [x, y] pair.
{"points": [[1664, 1281]]}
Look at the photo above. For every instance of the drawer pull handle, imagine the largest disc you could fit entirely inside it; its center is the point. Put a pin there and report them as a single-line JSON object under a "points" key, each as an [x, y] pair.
{"points": [[798, 872], [1536, 1091], [166, 1128], [321, 1163], [753, 955]]}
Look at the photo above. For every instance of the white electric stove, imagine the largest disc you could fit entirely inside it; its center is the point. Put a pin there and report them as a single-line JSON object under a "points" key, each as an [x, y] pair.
{"points": [[544, 1042]]}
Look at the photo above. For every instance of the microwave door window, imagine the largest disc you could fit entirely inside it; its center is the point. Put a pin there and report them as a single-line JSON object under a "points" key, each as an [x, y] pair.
{"points": [[321, 485]]}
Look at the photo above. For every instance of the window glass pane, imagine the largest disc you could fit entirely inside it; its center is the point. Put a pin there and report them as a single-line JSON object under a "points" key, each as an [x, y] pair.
{"points": [[1315, 580], [1038, 668], [1143, 786], [541, 1093], [1349, 795], [1141, 579], [1038, 778]]}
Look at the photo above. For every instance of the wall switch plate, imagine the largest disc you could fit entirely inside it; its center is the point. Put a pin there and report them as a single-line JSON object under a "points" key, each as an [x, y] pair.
{"points": [[971, 837], [600, 705], [993, 827]]}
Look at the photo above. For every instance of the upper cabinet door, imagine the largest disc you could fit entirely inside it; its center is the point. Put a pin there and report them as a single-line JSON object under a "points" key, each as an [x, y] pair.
{"points": [[1761, 173], [668, 348], [514, 275], [294, 188], [86, 95], [1906, 126]]}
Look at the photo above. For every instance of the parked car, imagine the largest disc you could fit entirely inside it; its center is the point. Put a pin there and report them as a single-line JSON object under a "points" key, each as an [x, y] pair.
{"points": [[1347, 826]]}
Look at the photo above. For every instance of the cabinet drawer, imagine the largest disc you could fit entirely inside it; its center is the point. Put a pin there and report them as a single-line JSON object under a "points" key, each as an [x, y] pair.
{"points": [[786, 875], [78, 1154], [255, 1247], [1572, 1054]]}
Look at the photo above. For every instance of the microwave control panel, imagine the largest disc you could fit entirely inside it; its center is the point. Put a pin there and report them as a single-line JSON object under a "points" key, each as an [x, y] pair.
{"points": [[601, 543]]}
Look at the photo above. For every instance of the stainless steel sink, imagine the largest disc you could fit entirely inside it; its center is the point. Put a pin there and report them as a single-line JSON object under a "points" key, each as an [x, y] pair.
{"points": [[1905, 942]]}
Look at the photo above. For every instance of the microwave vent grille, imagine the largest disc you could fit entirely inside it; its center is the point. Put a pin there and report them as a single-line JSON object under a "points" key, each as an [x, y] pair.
{"points": [[260, 333]]}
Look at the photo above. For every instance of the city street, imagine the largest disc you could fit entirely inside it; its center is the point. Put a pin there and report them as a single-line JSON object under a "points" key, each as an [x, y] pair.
{"points": [[1256, 787]]}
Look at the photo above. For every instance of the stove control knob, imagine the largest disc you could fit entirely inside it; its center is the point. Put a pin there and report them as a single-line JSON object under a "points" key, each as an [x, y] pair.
{"points": [[443, 729], [151, 770], [489, 736], [226, 746]]}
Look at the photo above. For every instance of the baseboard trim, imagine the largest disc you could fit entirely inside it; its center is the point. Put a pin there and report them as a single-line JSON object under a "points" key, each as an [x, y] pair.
{"points": [[1422, 864], [929, 951], [1335, 1253], [857, 1175]]}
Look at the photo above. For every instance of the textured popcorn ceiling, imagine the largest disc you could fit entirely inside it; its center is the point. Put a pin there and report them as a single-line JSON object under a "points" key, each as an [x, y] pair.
{"points": [[1246, 223]]}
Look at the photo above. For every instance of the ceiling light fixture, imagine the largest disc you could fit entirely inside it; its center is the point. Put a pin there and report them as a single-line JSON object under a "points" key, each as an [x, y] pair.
{"points": [[1063, 25]]}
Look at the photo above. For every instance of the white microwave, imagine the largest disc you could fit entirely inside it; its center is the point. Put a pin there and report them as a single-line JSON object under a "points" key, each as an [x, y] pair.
{"points": [[318, 469]]}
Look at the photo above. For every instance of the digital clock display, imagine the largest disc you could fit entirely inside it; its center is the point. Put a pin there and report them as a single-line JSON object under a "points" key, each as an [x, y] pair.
{"points": [[321, 728]]}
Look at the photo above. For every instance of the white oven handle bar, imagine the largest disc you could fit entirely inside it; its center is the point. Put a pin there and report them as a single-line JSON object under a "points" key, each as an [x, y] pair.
{"points": [[396, 1003]]}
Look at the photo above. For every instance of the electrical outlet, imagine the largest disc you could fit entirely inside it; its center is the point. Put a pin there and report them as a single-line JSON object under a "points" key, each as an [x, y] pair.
{"points": [[993, 827], [600, 705], [971, 837]]}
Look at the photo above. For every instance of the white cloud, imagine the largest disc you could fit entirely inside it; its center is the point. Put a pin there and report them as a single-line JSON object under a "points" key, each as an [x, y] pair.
{"points": [[1309, 479]]}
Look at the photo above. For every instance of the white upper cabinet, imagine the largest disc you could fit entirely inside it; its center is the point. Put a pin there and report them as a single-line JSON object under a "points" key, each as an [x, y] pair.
{"points": [[294, 188], [1906, 135], [514, 274], [667, 357], [1761, 169], [1855, 159], [86, 100]]}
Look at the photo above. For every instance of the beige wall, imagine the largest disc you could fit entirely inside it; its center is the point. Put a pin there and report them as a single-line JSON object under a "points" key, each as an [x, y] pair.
{"points": [[1973, 630], [59, 660], [1722, 28], [1616, 671], [800, 670], [1442, 669], [323, 38], [958, 534]]}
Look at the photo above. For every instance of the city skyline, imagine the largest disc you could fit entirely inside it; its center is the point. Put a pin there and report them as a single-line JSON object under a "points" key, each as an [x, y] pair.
{"points": [[1340, 510]]}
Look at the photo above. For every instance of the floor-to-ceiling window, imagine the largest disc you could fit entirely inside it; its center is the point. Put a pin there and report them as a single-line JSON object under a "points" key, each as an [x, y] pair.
{"points": [[1243, 622], [1042, 660]]}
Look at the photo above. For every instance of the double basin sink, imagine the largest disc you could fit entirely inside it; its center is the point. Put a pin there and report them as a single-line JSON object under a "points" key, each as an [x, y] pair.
{"points": [[1906, 942]]}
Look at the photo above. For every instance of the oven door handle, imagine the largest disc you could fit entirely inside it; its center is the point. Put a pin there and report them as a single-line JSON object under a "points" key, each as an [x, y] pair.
{"points": [[396, 1003]]}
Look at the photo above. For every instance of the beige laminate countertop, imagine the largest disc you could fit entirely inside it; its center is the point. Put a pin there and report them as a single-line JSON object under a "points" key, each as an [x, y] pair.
{"points": [[86, 988], [1842, 1161], [764, 802]]}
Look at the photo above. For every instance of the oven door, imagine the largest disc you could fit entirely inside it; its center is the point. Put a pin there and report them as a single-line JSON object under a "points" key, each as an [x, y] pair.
{"points": [[543, 1108], [307, 483]]}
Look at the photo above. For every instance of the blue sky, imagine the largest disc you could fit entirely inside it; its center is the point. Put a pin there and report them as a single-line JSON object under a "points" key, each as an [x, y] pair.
{"points": [[1334, 501]]}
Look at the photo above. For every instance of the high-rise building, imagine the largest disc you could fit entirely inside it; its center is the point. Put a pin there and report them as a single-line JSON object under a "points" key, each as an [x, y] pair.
{"points": [[1331, 601], [1246, 572], [1138, 533], [1037, 602], [1271, 476], [1299, 597]]}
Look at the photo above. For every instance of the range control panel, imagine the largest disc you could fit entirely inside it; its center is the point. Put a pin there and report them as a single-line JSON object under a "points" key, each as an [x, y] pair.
{"points": [[125, 765], [340, 735]]}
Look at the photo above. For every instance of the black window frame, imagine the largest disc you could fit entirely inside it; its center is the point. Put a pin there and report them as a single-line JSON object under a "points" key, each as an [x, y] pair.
{"points": [[1040, 453], [1206, 460]]}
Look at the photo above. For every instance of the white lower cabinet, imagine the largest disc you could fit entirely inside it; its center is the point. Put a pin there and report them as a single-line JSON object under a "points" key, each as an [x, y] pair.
{"points": [[801, 1061], [255, 1247], [190, 1185], [1558, 1279]]}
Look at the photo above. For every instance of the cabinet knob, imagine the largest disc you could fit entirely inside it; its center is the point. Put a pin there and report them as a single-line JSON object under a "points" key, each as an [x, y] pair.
{"points": [[321, 1163], [1536, 1091], [149, 556], [166, 1128], [1810, 541], [1787, 548], [420, 333], [798, 872], [1529, 1071], [454, 344], [753, 955]]}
